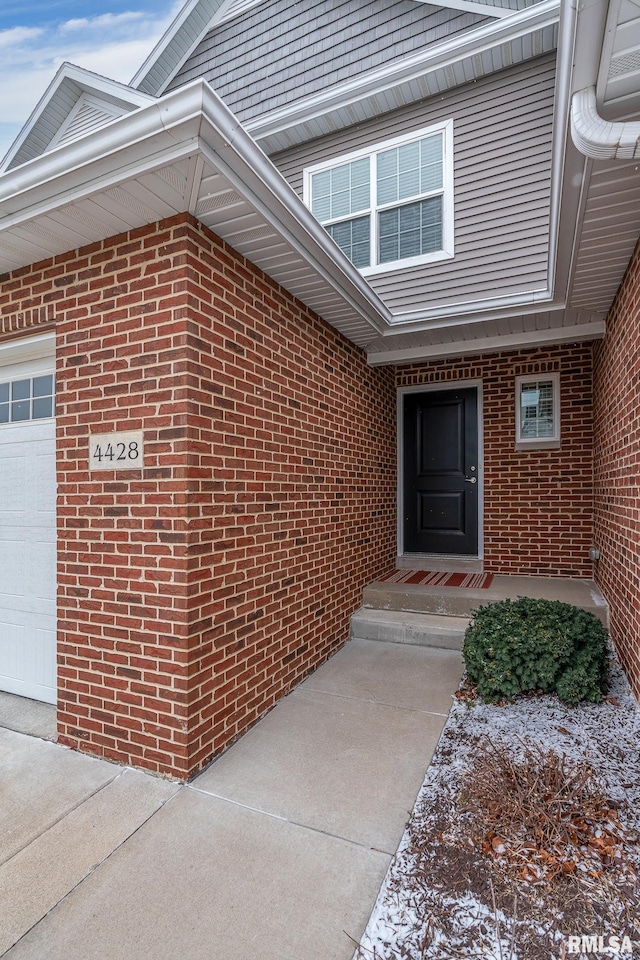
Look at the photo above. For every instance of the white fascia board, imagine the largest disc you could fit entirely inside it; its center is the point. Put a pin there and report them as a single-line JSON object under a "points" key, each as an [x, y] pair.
{"points": [[564, 193], [469, 44], [133, 141], [87, 81], [469, 6], [190, 121], [499, 344], [41, 346], [471, 311], [167, 56]]}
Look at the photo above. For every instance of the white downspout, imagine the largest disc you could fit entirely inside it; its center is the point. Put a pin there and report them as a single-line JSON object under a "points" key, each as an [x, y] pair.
{"points": [[598, 138]]}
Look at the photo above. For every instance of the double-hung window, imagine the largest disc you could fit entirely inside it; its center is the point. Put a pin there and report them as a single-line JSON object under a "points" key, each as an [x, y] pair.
{"points": [[389, 206]]}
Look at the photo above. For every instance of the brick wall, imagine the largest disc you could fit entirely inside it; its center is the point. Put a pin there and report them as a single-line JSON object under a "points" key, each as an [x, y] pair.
{"points": [[538, 504], [194, 594], [617, 469]]}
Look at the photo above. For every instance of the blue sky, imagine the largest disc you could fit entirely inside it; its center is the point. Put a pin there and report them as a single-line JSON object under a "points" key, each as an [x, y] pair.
{"points": [[110, 37]]}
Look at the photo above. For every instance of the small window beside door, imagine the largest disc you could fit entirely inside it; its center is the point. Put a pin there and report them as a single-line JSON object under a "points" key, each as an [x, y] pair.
{"points": [[538, 412]]}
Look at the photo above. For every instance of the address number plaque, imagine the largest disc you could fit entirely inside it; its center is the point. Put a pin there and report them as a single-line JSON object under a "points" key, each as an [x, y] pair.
{"points": [[116, 451]]}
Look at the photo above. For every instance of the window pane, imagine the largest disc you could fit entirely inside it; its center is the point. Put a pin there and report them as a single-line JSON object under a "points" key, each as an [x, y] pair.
{"points": [[360, 173], [431, 225], [387, 176], [352, 236], [42, 407], [20, 389], [43, 386], [321, 194], [340, 178], [409, 170], [4, 413], [4, 392], [360, 198], [340, 203], [321, 208], [410, 236], [341, 191], [21, 410], [411, 230], [409, 184], [431, 164]]}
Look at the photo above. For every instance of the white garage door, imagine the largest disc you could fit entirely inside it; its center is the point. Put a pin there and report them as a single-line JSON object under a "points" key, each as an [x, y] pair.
{"points": [[27, 529]]}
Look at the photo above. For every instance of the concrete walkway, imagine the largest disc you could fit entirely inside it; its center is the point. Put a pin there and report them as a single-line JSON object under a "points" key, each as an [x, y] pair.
{"points": [[275, 852]]}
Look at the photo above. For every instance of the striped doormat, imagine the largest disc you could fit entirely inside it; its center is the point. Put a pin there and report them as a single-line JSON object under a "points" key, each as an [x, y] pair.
{"points": [[426, 578]]}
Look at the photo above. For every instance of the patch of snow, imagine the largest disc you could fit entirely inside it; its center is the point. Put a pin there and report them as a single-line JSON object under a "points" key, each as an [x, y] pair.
{"points": [[416, 919]]}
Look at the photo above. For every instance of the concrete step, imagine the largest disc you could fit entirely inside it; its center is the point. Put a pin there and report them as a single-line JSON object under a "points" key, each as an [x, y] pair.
{"points": [[462, 602], [407, 598], [421, 629]]}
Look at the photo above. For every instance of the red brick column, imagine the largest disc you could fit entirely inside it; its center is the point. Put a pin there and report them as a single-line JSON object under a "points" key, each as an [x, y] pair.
{"points": [[196, 592], [617, 469], [123, 630]]}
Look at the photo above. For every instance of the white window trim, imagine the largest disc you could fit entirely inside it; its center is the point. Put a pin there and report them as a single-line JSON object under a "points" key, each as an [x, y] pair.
{"points": [[447, 252], [539, 443]]}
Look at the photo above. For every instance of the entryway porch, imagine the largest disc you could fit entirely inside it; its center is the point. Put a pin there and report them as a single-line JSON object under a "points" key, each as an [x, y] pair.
{"points": [[437, 615]]}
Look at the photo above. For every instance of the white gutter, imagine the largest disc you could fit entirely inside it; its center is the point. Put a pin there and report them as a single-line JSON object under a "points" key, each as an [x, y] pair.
{"points": [[470, 44], [598, 138], [562, 100]]}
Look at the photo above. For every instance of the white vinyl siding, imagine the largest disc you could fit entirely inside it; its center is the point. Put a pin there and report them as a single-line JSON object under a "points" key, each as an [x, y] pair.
{"points": [[389, 206], [277, 53]]}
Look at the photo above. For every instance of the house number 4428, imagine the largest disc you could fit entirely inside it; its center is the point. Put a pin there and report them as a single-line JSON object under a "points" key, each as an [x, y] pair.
{"points": [[116, 451]]}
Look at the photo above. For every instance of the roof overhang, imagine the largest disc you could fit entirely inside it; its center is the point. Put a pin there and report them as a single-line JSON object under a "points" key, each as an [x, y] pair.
{"points": [[183, 153], [198, 17], [476, 53]]}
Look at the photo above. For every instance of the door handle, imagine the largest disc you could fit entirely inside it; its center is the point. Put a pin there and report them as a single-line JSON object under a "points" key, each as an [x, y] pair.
{"points": [[471, 479]]}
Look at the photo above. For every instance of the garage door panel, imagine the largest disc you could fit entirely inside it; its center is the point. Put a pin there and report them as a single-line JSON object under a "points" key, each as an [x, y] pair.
{"points": [[45, 479], [13, 563], [28, 558], [12, 485], [28, 573]]}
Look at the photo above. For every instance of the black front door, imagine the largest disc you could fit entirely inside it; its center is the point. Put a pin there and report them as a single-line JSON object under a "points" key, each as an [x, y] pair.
{"points": [[441, 472]]}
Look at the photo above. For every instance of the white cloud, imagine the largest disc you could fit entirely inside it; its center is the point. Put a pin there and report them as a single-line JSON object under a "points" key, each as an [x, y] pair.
{"points": [[18, 35], [114, 45], [107, 21]]}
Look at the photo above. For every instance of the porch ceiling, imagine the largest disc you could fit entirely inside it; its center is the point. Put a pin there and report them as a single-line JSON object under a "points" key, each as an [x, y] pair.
{"points": [[493, 334]]}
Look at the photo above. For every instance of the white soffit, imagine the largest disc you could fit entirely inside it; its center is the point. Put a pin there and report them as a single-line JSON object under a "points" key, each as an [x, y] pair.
{"points": [[618, 82], [185, 152], [495, 335]]}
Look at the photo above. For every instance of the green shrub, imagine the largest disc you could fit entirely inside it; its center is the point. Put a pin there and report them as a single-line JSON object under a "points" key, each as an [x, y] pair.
{"points": [[515, 646]]}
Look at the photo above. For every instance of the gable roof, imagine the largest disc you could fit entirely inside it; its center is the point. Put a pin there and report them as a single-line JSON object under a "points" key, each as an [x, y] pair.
{"points": [[75, 103], [199, 17]]}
